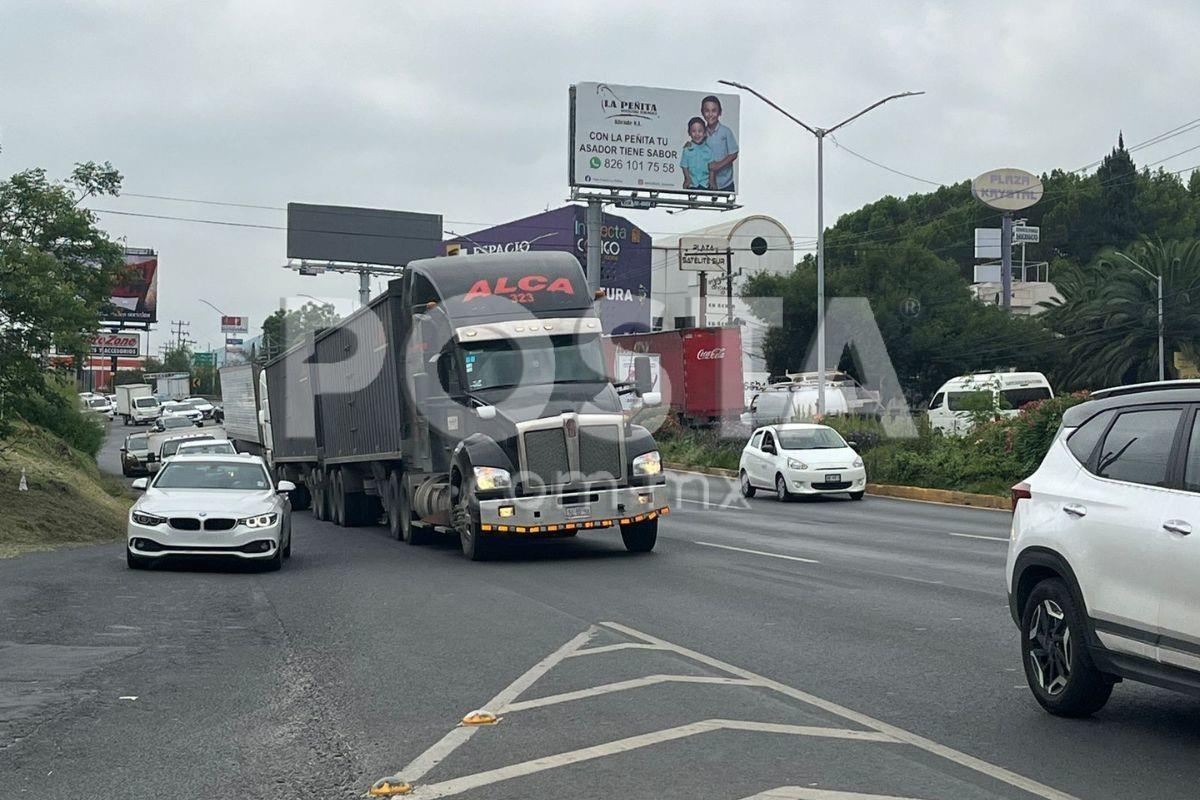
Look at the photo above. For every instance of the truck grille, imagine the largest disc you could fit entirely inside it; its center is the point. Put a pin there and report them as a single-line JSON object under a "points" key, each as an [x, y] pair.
{"points": [[546, 459], [600, 452]]}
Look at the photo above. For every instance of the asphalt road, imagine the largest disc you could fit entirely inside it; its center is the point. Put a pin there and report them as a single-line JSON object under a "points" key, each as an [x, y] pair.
{"points": [[831, 647]]}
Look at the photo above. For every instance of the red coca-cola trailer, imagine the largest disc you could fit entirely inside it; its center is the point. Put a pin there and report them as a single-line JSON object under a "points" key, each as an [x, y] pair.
{"points": [[697, 370]]}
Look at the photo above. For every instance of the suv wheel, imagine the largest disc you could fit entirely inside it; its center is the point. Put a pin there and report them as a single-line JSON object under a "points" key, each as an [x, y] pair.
{"points": [[1058, 667]]}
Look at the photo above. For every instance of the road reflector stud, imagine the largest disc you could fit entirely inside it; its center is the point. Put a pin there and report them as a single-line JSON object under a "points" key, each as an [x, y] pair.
{"points": [[480, 716], [386, 788]]}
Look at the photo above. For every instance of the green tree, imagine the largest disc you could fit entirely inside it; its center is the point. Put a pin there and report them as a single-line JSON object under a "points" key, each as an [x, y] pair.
{"points": [[177, 359], [56, 270], [283, 329], [1108, 315], [1117, 180]]}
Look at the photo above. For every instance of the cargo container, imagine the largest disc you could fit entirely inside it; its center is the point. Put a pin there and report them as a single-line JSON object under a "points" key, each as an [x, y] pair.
{"points": [[471, 397], [698, 371], [240, 403]]}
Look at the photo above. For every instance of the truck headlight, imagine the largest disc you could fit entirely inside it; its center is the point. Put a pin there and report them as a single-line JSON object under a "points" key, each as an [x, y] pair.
{"points": [[795, 463], [259, 521], [648, 464], [142, 518], [489, 478]]}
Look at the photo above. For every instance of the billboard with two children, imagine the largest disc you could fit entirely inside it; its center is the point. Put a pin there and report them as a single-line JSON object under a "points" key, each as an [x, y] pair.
{"points": [[647, 139]]}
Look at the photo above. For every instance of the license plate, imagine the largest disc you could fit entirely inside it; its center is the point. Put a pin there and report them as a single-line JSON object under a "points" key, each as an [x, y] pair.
{"points": [[577, 512], [833, 477]]}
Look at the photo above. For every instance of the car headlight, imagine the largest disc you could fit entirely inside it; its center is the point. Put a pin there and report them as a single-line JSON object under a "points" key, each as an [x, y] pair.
{"points": [[489, 478], [259, 521], [142, 518], [857, 462], [648, 464], [795, 463]]}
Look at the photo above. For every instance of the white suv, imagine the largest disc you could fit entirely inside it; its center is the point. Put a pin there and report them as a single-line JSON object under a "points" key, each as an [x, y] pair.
{"points": [[1103, 574]]}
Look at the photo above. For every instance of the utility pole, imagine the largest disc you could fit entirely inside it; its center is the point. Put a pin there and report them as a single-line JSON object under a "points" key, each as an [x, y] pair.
{"points": [[820, 134], [1162, 360]]}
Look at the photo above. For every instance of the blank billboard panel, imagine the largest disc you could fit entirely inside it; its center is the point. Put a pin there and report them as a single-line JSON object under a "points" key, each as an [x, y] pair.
{"points": [[361, 235]]}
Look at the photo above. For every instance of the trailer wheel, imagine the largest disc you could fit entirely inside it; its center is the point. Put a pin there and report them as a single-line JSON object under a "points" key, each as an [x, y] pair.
{"points": [[320, 497], [301, 498], [337, 498], [474, 546], [400, 516]]}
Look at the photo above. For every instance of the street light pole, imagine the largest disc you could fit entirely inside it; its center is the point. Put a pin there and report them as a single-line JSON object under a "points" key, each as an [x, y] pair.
{"points": [[820, 134], [1162, 364]]}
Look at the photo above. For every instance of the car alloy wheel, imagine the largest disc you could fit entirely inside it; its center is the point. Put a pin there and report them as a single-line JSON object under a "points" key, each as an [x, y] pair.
{"points": [[1050, 647]]}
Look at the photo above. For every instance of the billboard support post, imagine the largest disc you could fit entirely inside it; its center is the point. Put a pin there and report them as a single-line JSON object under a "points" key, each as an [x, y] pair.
{"points": [[729, 287], [702, 314], [595, 222], [364, 287], [1006, 226]]}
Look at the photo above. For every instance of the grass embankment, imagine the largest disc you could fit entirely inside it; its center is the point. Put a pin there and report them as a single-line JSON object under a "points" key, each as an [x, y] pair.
{"points": [[69, 501]]}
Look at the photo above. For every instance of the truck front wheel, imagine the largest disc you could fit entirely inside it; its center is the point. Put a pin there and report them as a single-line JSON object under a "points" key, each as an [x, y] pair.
{"points": [[640, 537], [474, 545]]}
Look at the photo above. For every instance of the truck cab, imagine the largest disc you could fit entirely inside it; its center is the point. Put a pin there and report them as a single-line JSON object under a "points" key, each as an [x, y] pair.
{"points": [[512, 409]]}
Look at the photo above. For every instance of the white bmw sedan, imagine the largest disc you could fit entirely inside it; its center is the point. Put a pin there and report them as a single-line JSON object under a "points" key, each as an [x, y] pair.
{"points": [[211, 505], [801, 459]]}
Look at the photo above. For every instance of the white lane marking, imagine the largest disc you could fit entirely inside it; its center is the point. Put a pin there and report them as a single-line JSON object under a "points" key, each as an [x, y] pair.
{"points": [[480, 779], [419, 766], [707, 504], [899, 734], [620, 686], [977, 536], [808, 793], [608, 648], [759, 552]]}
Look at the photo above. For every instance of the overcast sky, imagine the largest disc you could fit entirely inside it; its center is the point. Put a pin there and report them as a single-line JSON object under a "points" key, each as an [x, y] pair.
{"points": [[461, 108]]}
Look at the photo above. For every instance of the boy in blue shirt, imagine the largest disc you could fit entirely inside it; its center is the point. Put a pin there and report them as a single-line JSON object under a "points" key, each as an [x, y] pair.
{"points": [[696, 156]]}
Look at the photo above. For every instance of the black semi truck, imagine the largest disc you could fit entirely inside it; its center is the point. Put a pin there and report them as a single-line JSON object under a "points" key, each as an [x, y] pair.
{"points": [[470, 397]]}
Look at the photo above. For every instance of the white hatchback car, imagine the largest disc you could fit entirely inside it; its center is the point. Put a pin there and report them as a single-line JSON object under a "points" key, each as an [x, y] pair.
{"points": [[801, 459], [211, 505], [1103, 574]]}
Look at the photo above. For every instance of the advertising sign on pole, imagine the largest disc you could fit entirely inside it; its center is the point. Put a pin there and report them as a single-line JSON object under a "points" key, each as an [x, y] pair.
{"points": [[123, 344], [1026, 234], [704, 253], [1007, 189], [646, 138], [235, 324], [134, 298]]}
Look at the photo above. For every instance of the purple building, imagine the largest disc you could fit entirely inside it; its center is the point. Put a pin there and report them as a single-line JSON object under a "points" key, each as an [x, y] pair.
{"points": [[625, 257]]}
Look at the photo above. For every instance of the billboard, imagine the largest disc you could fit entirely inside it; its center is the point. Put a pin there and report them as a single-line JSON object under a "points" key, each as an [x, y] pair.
{"points": [[234, 324], [124, 344], [134, 298], [624, 257], [647, 139], [361, 235]]}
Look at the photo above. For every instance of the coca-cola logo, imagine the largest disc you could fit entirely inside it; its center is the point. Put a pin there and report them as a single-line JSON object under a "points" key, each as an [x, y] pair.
{"points": [[714, 354]]}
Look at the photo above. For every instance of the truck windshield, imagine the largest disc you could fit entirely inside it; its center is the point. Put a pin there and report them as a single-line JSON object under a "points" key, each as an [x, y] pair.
{"points": [[145, 402], [557, 359]]}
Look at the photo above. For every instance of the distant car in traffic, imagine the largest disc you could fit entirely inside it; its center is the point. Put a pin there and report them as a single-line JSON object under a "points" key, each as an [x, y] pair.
{"points": [[210, 446], [796, 398], [174, 408], [801, 459], [210, 505], [173, 422], [99, 404], [134, 455], [1103, 572], [167, 447], [200, 404], [218, 414]]}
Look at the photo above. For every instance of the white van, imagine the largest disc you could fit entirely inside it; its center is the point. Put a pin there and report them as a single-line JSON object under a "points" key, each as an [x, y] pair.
{"points": [[950, 408], [796, 399]]}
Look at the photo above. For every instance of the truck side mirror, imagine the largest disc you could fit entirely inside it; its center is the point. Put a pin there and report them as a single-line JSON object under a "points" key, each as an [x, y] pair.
{"points": [[652, 399], [642, 378]]}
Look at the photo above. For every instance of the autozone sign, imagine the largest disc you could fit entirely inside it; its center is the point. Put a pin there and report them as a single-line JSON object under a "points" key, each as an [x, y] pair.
{"points": [[715, 354], [116, 344]]}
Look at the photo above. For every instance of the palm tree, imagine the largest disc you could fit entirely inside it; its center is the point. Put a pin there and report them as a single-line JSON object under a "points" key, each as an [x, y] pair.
{"points": [[1107, 318]]}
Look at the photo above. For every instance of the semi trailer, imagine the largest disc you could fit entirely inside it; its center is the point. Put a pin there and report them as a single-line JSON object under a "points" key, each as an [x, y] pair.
{"points": [[470, 397]]}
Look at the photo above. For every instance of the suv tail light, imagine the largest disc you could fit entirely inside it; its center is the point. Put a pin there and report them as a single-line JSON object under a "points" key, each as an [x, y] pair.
{"points": [[1021, 491]]}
